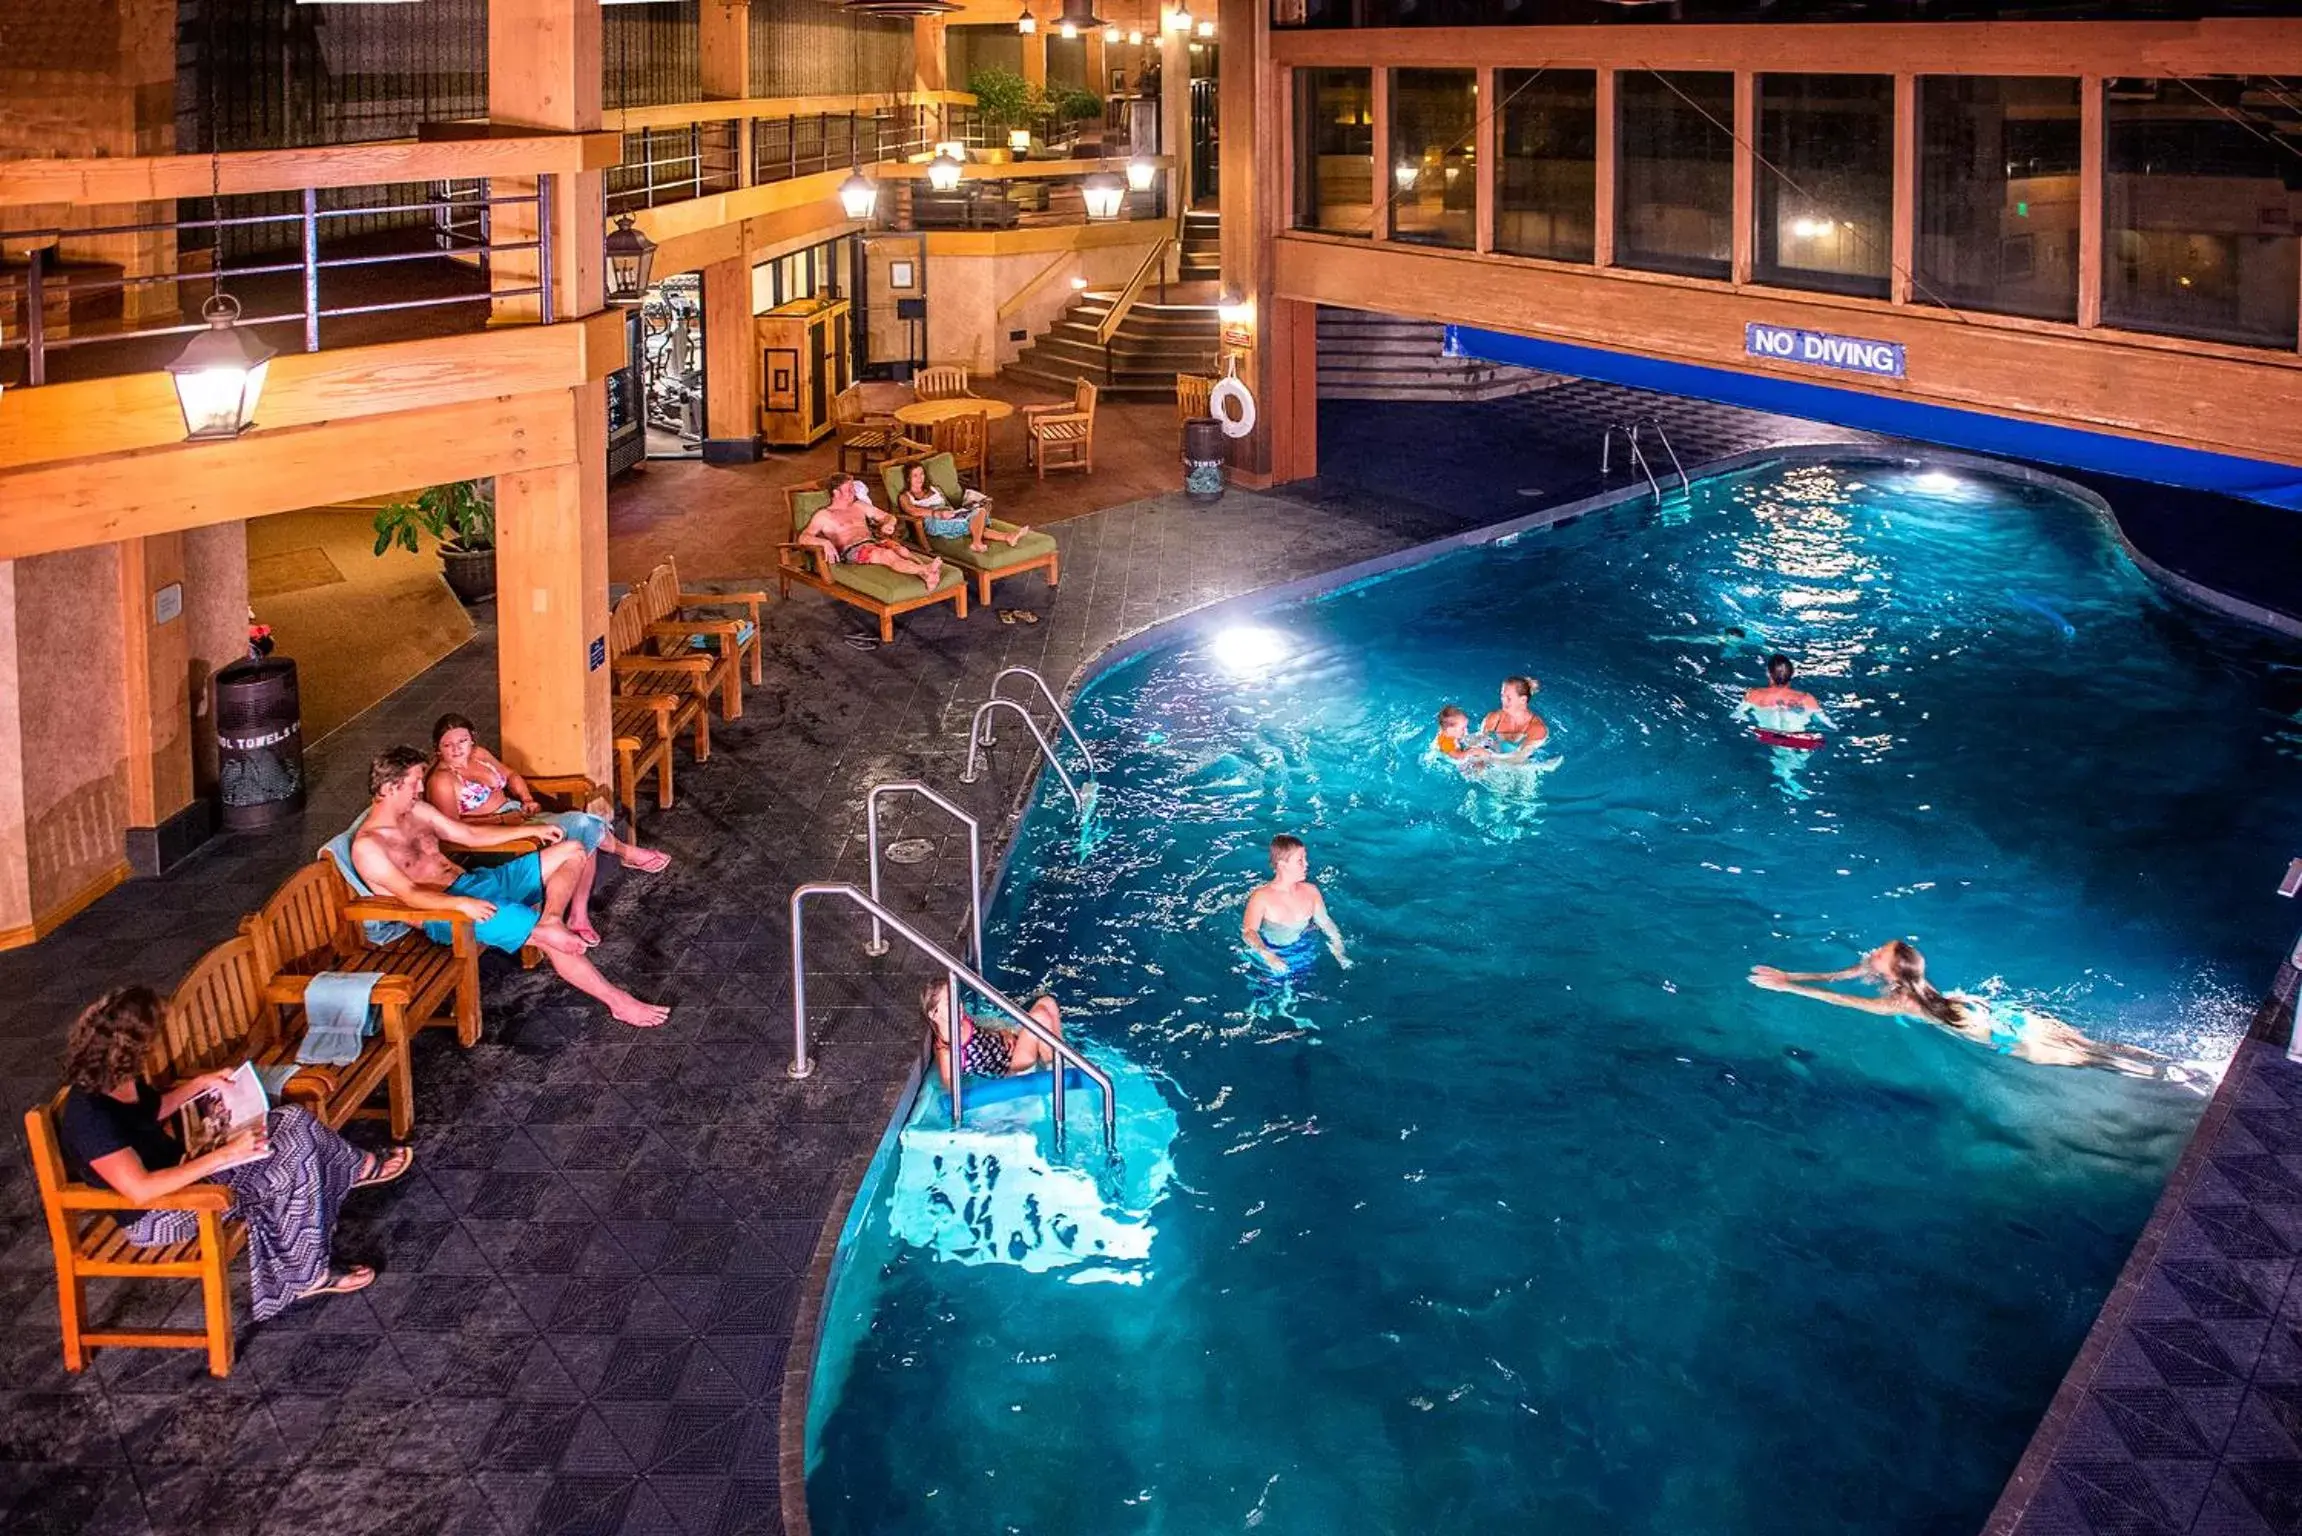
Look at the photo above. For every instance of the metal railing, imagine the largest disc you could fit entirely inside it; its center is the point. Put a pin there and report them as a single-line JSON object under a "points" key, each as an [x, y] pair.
{"points": [[979, 733], [672, 165], [878, 944], [1664, 438], [810, 144], [956, 972], [454, 220], [1630, 439]]}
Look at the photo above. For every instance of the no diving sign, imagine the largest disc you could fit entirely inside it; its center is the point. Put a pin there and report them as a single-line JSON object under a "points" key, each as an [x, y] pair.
{"points": [[1853, 354]]}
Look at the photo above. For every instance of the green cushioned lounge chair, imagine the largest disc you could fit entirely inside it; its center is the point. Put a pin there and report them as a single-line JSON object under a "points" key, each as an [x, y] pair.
{"points": [[995, 562], [873, 588]]}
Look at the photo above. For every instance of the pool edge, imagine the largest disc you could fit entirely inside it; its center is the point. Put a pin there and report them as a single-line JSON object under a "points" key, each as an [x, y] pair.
{"points": [[855, 1174]]}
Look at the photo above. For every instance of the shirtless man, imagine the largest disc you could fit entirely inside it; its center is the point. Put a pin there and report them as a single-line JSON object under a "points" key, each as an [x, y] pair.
{"points": [[1784, 716], [1281, 912], [396, 853], [1516, 724], [849, 530]]}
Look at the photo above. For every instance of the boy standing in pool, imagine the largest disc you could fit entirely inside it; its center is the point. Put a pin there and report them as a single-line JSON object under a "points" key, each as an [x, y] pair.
{"points": [[1281, 912], [1784, 716]]}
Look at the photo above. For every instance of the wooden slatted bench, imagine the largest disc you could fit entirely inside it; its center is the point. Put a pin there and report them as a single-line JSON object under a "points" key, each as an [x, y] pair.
{"points": [[726, 642], [643, 733], [315, 922], [638, 671]]}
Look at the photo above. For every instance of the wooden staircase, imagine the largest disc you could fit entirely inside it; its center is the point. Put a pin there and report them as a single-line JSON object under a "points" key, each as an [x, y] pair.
{"points": [[1366, 356], [1202, 249], [1154, 342]]}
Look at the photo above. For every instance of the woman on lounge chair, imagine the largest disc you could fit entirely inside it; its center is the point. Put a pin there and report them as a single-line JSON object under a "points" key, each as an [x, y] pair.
{"points": [[470, 783], [288, 1176], [970, 520]]}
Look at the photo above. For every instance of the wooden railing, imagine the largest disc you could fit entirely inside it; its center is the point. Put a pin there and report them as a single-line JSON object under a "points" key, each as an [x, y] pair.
{"points": [[156, 178], [1152, 262]]}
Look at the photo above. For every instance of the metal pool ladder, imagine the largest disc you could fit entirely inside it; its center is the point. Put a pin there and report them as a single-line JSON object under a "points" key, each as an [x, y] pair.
{"points": [[979, 732], [1630, 431], [878, 944], [955, 973]]}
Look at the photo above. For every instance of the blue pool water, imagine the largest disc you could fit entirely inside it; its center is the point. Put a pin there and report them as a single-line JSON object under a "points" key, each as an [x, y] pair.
{"points": [[1541, 1218]]}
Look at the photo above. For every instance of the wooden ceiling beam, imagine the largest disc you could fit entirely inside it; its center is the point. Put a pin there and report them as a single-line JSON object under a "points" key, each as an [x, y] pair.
{"points": [[149, 178]]}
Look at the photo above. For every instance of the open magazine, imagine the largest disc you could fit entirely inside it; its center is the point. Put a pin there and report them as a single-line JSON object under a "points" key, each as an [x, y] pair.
{"points": [[210, 1119]]}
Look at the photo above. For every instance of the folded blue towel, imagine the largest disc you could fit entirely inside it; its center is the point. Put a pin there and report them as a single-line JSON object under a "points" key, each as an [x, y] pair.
{"points": [[337, 1017], [744, 630]]}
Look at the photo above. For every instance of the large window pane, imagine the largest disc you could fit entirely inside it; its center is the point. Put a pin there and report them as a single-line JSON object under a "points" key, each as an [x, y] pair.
{"points": [[1434, 180], [1335, 150], [1826, 207], [1547, 187], [2198, 235], [1998, 194], [1674, 172]]}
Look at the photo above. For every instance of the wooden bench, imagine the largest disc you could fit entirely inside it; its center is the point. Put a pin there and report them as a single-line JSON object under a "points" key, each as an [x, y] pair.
{"points": [[88, 1229], [726, 642], [643, 733], [228, 1010], [638, 671], [315, 922]]}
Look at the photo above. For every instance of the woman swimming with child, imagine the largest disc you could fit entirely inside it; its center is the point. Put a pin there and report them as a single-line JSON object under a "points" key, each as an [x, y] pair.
{"points": [[1898, 970]]}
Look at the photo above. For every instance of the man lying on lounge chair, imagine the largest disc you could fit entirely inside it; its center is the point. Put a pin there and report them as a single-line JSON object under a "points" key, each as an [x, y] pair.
{"points": [[396, 853], [849, 530]]}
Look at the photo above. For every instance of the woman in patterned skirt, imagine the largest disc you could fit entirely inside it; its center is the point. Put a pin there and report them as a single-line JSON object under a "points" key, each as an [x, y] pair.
{"points": [[288, 1175]]}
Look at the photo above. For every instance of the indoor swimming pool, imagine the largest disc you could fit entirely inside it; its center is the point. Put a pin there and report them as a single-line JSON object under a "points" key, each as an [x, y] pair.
{"points": [[1540, 1217]]}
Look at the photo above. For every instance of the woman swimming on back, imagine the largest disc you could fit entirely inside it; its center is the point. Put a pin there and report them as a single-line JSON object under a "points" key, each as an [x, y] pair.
{"points": [[1899, 971]]}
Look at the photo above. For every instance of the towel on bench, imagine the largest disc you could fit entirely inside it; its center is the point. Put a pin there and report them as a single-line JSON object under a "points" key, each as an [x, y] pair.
{"points": [[337, 1017], [744, 630]]}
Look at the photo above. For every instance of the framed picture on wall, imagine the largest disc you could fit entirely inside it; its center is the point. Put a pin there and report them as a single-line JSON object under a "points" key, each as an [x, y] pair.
{"points": [[782, 392], [900, 274]]}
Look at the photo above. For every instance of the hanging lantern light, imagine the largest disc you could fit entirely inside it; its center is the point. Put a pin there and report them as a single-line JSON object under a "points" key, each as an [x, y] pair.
{"points": [[1067, 29], [1135, 37], [1027, 23], [1112, 35], [1206, 29], [629, 255], [943, 171], [1079, 16], [858, 195], [1142, 173], [219, 377], [1405, 174], [1103, 194], [1179, 19]]}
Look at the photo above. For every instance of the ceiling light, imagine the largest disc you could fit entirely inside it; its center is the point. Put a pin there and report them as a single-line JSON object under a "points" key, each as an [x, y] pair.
{"points": [[219, 376], [1027, 23], [858, 195], [629, 255]]}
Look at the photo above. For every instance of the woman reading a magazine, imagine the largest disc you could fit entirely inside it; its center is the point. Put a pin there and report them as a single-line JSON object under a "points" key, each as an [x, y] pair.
{"points": [[288, 1173]]}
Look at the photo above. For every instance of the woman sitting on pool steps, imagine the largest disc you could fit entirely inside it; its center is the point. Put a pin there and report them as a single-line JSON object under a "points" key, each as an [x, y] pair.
{"points": [[987, 1049], [1899, 971]]}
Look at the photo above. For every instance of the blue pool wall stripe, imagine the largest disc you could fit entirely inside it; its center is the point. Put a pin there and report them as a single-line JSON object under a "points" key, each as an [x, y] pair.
{"points": [[2254, 479]]}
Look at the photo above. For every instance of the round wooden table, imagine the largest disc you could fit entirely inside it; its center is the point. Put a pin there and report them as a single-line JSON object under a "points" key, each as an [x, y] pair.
{"points": [[925, 413]]}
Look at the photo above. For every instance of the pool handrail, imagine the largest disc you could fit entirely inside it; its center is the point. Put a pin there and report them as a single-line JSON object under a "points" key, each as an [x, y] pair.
{"points": [[978, 736], [955, 971], [878, 944], [1641, 425], [1062, 715], [1630, 440]]}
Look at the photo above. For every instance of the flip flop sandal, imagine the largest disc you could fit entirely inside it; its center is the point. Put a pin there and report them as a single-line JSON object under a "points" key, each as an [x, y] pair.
{"points": [[863, 642], [1025, 616], [386, 1170], [358, 1278], [1006, 615]]}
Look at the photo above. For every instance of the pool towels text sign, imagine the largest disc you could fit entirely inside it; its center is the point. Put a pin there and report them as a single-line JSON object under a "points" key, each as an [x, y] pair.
{"points": [[1780, 343]]}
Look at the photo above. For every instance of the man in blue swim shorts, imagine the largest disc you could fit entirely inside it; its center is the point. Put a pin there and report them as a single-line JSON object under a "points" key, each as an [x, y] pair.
{"points": [[396, 853]]}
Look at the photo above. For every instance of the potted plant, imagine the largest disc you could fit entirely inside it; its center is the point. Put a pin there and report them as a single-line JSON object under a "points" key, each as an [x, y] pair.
{"points": [[1004, 100], [459, 517], [1079, 111]]}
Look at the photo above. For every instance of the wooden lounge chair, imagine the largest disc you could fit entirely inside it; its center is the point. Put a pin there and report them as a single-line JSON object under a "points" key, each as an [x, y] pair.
{"points": [[1062, 436], [640, 670], [873, 588], [316, 921], [87, 1229], [227, 1010], [1191, 396], [1035, 551], [941, 383], [865, 437]]}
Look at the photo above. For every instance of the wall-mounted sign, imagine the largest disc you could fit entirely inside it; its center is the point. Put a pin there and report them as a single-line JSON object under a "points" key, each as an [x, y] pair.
{"points": [[1853, 354], [168, 602], [598, 652], [1238, 336]]}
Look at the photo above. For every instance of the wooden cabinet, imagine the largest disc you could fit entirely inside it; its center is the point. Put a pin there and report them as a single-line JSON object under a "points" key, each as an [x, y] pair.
{"points": [[804, 361]]}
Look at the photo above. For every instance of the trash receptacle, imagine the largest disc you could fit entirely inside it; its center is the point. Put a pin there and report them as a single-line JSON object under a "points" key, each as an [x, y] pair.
{"points": [[259, 743], [1203, 458]]}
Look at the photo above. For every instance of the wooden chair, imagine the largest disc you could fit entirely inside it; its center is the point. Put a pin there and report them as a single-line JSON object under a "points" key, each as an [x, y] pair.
{"points": [[941, 383], [88, 1230], [316, 922], [674, 629], [227, 1010], [873, 588], [1191, 392], [640, 670], [1035, 551], [966, 441], [1062, 436], [643, 733], [866, 437]]}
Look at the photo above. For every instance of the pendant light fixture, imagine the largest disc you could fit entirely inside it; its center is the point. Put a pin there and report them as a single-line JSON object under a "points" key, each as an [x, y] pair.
{"points": [[1179, 19], [1079, 16], [1142, 173], [894, 10], [943, 171], [1026, 23], [1112, 36], [858, 194], [630, 253], [219, 376]]}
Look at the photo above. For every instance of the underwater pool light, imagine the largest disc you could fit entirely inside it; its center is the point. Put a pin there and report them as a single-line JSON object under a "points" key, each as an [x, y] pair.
{"points": [[1938, 482], [1246, 650]]}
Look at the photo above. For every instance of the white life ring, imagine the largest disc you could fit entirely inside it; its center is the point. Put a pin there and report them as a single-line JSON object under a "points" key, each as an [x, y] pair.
{"points": [[1231, 389]]}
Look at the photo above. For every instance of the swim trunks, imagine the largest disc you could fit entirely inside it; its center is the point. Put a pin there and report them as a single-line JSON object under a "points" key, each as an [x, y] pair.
{"points": [[516, 889], [1796, 741]]}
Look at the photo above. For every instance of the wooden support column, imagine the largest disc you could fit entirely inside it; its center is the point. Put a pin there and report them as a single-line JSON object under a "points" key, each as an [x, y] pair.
{"points": [[723, 60], [930, 66], [551, 523], [1902, 257], [730, 363], [1280, 365], [1175, 116], [1489, 159], [1603, 217], [1098, 67], [156, 703], [1035, 56], [2093, 146], [1381, 190], [1745, 234]]}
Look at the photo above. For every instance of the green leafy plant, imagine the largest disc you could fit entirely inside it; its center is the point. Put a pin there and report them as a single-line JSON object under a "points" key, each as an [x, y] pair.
{"points": [[459, 516], [1004, 98], [1078, 106]]}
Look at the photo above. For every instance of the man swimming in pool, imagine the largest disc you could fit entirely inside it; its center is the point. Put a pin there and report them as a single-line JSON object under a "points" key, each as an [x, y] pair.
{"points": [[1281, 912], [1516, 724], [1898, 970], [1784, 716]]}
